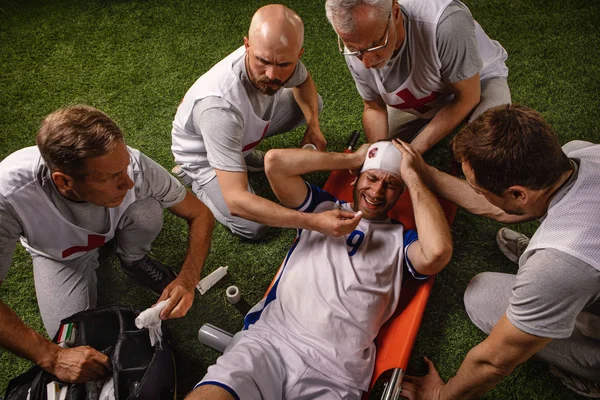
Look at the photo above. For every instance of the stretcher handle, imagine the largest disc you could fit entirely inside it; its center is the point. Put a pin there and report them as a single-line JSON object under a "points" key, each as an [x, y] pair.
{"points": [[394, 387], [352, 140]]}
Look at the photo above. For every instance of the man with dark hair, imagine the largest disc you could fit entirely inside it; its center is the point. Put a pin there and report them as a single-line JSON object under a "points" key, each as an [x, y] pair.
{"points": [[260, 90], [64, 199], [516, 171], [420, 66]]}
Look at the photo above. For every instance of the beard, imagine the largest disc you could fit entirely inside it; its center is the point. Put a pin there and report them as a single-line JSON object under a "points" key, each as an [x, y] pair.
{"points": [[268, 90]]}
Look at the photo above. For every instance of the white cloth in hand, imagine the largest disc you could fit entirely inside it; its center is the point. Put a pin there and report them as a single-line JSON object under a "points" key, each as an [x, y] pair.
{"points": [[108, 390], [150, 319]]}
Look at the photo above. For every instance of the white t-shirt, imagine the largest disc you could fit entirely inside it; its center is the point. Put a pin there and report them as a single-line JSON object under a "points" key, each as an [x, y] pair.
{"points": [[443, 45], [556, 290], [26, 169], [223, 116]]}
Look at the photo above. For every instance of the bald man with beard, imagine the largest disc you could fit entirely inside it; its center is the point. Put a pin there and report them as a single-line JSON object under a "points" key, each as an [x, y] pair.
{"points": [[260, 90]]}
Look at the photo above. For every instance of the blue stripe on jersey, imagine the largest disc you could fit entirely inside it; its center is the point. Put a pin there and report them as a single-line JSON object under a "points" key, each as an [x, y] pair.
{"points": [[308, 197], [272, 295], [316, 196], [221, 385], [410, 237]]}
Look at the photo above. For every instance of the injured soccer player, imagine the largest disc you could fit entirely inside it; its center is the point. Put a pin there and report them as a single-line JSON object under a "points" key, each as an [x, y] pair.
{"points": [[312, 334]]}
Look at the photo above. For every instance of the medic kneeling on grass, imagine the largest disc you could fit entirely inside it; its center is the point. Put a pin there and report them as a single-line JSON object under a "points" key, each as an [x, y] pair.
{"points": [[80, 187]]}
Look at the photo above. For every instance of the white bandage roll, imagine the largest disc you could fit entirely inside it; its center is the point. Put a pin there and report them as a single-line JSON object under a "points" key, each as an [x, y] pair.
{"points": [[233, 294]]}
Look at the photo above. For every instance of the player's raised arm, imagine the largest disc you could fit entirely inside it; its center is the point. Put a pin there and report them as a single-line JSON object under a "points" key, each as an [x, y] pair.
{"points": [[432, 252], [285, 167]]}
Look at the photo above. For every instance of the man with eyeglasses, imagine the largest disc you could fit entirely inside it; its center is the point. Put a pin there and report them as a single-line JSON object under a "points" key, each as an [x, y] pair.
{"points": [[260, 90], [421, 66]]}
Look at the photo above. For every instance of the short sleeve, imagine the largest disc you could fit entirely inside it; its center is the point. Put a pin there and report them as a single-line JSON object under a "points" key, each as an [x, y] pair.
{"points": [[365, 90], [549, 293], [314, 197], [411, 236], [222, 130], [298, 76], [457, 44], [574, 145], [158, 183], [10, 230]]}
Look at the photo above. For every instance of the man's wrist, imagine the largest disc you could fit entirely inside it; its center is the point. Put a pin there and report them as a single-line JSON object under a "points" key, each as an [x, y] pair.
{"points": [[309, 221], [48, 356], [188, 280], [442, 392], [427, 174], [412, 179], [312, 124], [357, 160]]}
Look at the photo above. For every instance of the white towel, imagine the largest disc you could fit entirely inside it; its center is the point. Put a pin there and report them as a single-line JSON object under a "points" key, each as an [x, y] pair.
{"points": [[150, 319], [108, 390]]}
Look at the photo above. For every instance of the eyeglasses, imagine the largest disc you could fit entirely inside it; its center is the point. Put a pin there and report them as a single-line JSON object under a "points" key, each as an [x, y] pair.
{"points": [[359, 53]]}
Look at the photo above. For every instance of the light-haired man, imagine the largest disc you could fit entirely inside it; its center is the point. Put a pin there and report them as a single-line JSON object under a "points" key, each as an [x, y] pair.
{"points": [[260, 90], [516, 171], [425, 59], [80, 187], [312, 335]]}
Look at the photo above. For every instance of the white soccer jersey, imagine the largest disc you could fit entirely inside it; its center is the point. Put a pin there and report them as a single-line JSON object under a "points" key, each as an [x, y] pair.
{"points": [[424, 92], [332, 295], [572, 225], [219, 81], [46, 231]]}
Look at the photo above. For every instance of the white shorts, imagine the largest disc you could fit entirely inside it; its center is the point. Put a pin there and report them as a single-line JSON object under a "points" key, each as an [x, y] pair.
{"points": [[263, 366]]}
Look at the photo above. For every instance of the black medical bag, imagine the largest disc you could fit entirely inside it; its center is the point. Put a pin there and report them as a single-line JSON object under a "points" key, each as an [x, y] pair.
{"points": [[140, 371]]}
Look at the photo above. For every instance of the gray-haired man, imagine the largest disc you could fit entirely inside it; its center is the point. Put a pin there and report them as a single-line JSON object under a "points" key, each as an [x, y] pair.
{"points": [[428, 58]]}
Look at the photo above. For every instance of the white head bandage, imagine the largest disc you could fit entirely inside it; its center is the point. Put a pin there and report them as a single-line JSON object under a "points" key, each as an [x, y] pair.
{"points": [[385, 157]]}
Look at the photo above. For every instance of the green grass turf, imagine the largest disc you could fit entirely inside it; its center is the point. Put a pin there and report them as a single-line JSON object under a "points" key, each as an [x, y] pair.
{"points": [[136, 59]]}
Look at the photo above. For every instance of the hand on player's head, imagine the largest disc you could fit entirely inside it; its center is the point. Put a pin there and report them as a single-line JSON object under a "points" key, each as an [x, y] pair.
{"points": [[362, 151], [412, 161], [360, 155]]}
